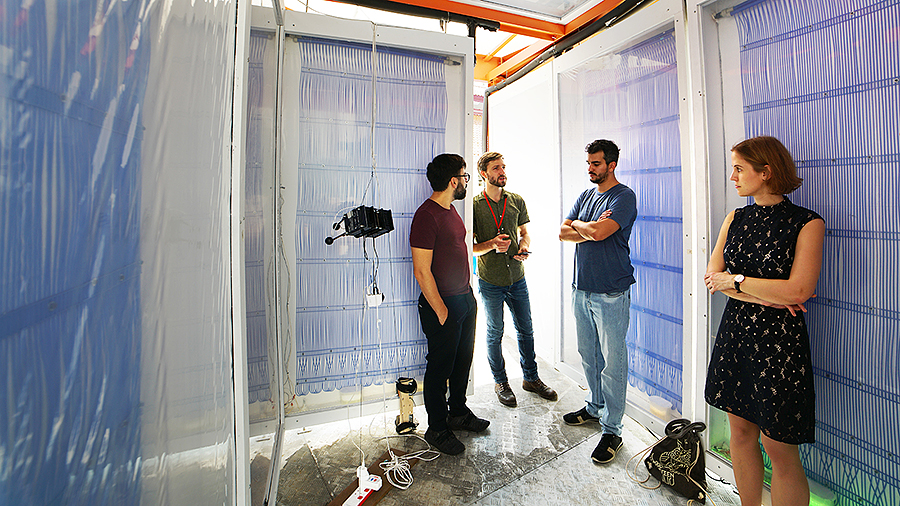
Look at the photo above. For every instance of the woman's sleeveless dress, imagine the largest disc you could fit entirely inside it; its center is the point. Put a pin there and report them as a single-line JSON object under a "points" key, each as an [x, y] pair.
{"points": [[760, 368]]}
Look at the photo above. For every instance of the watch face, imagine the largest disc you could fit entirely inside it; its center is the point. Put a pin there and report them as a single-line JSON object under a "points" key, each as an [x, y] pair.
{"points": [[739, 278]]}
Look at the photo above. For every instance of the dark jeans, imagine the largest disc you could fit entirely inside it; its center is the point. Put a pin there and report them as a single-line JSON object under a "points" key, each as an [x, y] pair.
{"points": [[516, 297], [450, 350]]}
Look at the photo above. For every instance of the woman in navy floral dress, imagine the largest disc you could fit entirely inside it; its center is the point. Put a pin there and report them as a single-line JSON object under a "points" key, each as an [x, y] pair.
{"points": [[766, 260]]}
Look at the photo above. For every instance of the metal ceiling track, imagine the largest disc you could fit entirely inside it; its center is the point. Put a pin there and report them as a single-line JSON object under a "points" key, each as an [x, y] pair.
{"points": [[425, 12]]}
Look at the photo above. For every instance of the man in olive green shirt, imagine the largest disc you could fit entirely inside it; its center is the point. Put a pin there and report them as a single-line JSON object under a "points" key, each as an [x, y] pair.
{"points": [[501, 244]]}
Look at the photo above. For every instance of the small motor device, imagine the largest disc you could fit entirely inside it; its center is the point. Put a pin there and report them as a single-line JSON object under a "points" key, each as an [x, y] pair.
{"points": [[405, 422], [364, 221]]}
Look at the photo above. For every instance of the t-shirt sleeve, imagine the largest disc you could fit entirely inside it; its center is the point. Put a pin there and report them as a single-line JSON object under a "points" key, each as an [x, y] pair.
{"points": [[422, 231], [573, 214], [624, 209], [523, 213]]}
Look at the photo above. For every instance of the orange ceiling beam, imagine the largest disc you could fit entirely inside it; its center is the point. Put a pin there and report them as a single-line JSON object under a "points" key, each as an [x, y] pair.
{"points": [[519, 60], [495, 69], [602, 8], [525, 56], [518, 23], [530, 32], [595, 12], [498, 48]]}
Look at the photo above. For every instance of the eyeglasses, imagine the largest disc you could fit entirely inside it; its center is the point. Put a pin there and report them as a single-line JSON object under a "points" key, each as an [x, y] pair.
{"points": [[465, 176]]}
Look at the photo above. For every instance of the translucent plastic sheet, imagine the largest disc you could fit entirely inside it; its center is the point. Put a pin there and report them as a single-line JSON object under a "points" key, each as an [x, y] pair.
{"points": [[115, 337], [822, 77], [259, 224], [631, 97], [340, 342]]}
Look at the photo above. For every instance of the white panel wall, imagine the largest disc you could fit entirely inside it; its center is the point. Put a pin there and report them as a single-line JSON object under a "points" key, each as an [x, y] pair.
{"points": [[532, 161]]}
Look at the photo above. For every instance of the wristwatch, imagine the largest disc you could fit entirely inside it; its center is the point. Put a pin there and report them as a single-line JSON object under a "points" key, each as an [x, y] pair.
{"points": [[738, 279]]}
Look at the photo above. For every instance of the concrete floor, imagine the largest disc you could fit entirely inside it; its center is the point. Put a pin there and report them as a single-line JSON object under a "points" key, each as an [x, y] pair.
{"points": [[527, 456]]}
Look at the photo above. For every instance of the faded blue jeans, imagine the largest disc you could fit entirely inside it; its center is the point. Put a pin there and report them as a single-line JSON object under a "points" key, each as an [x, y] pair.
{"points": [[516, 297], [601, 322]]}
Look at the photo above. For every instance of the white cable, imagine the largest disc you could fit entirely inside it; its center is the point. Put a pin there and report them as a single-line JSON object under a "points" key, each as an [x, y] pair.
{"points": [[362, 319], [397, 470]]}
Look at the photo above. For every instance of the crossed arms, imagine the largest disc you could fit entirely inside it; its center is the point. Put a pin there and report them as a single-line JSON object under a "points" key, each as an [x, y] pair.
{"points": [[788, 293], [580, 231]]}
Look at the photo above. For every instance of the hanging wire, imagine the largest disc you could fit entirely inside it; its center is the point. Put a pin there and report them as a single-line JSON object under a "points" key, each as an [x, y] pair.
{"points": [[361, 329], [397, 468], [372, 178], [287, 360]]}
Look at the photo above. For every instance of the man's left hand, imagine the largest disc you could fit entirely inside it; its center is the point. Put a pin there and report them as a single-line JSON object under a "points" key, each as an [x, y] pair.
{"points": [[522, 254]]}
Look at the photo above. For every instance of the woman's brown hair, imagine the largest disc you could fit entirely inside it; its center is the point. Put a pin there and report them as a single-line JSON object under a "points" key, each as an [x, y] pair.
{"points": [[764, 150]]}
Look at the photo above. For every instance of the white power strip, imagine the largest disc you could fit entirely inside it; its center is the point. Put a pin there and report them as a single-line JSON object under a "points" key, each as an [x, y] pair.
{"points": [[372, 484]]}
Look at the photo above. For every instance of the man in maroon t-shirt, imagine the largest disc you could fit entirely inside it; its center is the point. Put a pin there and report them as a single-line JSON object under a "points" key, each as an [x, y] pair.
{"points": [[447, 307]]}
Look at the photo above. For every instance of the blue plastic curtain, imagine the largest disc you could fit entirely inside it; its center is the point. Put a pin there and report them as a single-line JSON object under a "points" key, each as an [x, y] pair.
{"points": [[340, 342], [631, 97], [823, 78], [115, 304], [70, 160]]}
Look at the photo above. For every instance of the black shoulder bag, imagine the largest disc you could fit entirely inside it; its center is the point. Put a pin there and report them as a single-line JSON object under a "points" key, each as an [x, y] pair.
{"points": [[676, 460]]}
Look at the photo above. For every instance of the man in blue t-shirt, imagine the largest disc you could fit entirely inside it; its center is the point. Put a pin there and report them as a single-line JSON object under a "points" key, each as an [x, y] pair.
{"points": [[600, 225]]}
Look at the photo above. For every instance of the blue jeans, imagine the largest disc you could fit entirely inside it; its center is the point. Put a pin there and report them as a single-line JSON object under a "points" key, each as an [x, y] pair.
{"points": [[516, 297], [601, 322]]}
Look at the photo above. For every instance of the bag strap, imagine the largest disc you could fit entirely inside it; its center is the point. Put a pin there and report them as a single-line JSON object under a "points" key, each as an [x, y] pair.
{"points": [[701, 488], [691, 478], [681, 427], [640, 456]]}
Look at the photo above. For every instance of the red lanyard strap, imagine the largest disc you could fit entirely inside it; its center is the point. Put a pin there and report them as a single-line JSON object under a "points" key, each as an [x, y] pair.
{"points": [[498, 223]]}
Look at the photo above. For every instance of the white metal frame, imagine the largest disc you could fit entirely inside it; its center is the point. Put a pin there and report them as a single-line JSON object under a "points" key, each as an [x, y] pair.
{"points": [[717, 124], [238, 288]]}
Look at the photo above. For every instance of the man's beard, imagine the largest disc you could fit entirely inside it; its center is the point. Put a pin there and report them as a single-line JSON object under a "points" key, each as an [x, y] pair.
{"points": [[496, 182], [599, 178], [459, 193]]}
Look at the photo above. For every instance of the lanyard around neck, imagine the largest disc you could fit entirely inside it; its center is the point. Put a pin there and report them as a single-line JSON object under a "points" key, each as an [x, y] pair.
{"points": [[498, 223]]}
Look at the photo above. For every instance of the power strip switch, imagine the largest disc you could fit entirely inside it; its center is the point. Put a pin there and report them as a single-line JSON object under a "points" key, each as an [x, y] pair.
{"points": [[365, 489]]}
